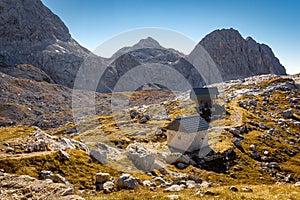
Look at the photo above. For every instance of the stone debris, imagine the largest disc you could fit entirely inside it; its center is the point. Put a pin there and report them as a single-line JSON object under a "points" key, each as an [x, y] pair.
{"points": [[127, 181], [26, 187]]}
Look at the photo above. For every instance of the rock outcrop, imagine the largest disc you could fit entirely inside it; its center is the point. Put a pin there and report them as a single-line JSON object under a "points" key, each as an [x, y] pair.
{"points": [[30, 33], [25, 187], [27, 102], [237, 57], [140, 156], [25, 71]]}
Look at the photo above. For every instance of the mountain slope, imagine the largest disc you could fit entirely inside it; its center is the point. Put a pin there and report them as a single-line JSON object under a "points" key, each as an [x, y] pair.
{"points": [[237, 57], [146, 43], [149, 53], [30, 33]]}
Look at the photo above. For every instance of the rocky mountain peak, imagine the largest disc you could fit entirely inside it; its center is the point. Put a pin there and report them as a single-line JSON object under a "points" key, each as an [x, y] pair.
{"points": [[148, 42], [237, 57], [31, 20], [31, 34]]}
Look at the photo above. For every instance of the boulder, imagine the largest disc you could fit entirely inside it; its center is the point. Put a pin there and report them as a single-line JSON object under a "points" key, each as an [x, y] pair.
{"points": [[174, 158], [273, 165], [64, 155], [208, 192], [173, 196], [126, 181], [100, 157], [190, 184], [43, 175], [10, 150], [181, 165], [56, 178], [148, 183], [233, 188], [205, 184], [108, 187], [247, 189], [174, 188], [160, 180], [102, 177], [68, 191], [237, 143], [252, 147], [140, 157], [288, 113]]}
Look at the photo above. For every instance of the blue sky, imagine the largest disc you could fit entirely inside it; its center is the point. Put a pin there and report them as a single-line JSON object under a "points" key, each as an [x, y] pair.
{"points": [[273, 22]]}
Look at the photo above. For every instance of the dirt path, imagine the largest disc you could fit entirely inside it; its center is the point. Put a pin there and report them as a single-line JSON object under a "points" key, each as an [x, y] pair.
{"points": [[25, 155]]}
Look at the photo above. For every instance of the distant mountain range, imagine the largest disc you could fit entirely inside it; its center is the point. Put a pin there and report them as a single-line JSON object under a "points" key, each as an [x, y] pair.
{"points": [[31, 34]]}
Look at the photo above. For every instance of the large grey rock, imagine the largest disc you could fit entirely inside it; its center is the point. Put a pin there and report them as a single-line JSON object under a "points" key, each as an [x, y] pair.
{"points": [[102, 177], [100, 157], [56, 178], [237, 57], [140, 157], [108, 187], [174, 158], [174, 188], [126, 181]]}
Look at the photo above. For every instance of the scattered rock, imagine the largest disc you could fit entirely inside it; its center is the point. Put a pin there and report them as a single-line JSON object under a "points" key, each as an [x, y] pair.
{"points": [[140, 157], [266, 153], [10, 150], [208, 192], [233, 188], [252, 147], [126, 181], [289, 178], [108, 187], [297, 184], [57, 178], [205, 184], [181, 165], [143, 120], [237, 143], [64, 155], [288, 113], [247, 189], [174, 188], [174, 158], [100, 157], [43, 175], [273, 165], [148, 183], [102, 177], [160, 180], [25, 187], [69, 191], [232, 175], [190, 184], [173, 196]]}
